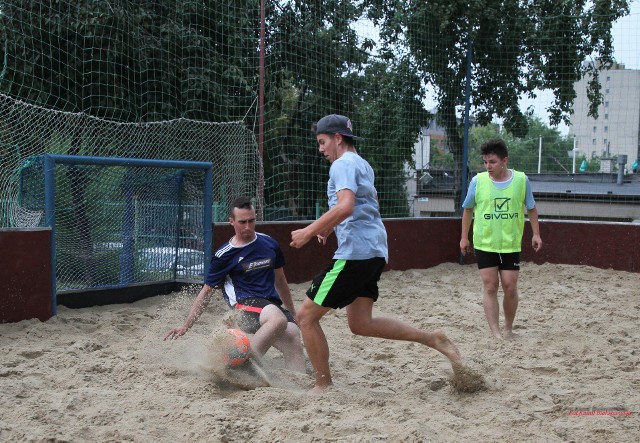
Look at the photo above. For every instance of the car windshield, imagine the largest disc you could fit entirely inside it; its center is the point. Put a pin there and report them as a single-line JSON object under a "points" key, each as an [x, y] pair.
{"points": [[163, 259], [189, 258], [159, 260]]}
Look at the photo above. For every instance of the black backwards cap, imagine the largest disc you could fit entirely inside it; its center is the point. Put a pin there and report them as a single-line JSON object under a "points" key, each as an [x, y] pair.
{"points": [[335, 124]]}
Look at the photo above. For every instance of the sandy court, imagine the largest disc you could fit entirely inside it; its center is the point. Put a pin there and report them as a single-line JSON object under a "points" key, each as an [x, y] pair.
{"points": [[104, 373]]}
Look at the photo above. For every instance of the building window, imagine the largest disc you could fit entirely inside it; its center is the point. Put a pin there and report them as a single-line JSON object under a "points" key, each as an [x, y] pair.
{"points": [[606, 142], [593, 141], [606, 129], [608, 78], [594, 129], [606, 116], [606, 104], [606, 91]]}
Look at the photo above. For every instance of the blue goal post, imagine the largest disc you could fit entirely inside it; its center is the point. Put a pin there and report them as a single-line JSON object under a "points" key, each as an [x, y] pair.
{"points": [[131, 177]]}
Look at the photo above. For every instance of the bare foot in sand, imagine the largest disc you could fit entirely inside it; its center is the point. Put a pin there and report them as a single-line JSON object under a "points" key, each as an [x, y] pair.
{"points": [[317, 390], [509, 335], [446, 346]]}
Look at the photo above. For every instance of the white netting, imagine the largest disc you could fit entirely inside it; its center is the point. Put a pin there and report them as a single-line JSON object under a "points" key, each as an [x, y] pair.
{"points": [[27, 131]]}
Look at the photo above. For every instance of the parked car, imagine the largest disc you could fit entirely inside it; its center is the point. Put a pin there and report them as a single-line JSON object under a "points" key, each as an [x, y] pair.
{"points": [[161, 259]]}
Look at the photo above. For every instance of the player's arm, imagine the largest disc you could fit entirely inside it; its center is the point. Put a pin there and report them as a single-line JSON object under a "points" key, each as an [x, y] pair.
{"points": [[198, 307], [330, 219], [532, 213], [282, 286], [467, 216], [536, 240]]}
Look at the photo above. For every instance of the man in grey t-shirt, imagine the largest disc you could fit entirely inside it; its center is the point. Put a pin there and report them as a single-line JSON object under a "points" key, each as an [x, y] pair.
{"points": [[351, 279]]}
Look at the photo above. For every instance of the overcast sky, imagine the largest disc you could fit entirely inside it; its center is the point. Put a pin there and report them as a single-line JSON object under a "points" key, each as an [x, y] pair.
{"points": [[626, 35]]}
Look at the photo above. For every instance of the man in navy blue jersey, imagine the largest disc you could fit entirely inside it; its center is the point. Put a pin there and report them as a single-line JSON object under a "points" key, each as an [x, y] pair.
{"points": [[249, 270]]}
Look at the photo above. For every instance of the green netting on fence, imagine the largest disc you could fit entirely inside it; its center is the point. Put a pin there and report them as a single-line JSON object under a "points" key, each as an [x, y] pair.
{"points": [[119, 225], [182, 80]]}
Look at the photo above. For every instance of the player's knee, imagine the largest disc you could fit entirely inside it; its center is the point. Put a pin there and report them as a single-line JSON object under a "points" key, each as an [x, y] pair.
{"points": [[358, 327], [491, 288], [276, 320], [292, 336], [305, 318]]}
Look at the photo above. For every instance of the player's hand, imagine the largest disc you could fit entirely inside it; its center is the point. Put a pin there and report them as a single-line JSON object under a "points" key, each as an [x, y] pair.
{"points": [[464, 246], [322, 238], [299, 238], [536, 242], [175, 333]]}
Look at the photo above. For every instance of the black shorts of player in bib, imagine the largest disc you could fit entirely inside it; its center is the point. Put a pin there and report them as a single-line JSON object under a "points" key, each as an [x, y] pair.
{"points": [[505, 261]]}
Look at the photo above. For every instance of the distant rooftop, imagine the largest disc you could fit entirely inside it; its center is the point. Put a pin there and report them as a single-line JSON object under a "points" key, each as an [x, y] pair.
{"points": [[589, 185], [585, 184]]}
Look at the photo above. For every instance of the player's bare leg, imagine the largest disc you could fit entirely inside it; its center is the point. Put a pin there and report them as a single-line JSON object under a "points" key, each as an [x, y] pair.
{"points": [[273, 324], [510, 303], [291, 347], [361, 322], [490, 282], [315, 342]]}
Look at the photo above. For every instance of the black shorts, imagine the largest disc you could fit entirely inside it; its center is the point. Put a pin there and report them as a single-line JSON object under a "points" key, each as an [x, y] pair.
{"points": [[506, 261], [342, 281], [249, 313]]}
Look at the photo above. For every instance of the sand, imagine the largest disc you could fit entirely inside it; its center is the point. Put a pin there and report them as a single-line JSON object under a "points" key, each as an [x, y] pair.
{"points": [[571, 374]]}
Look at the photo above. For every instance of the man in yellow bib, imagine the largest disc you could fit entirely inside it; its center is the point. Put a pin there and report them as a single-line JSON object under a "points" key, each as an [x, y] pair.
{"points": [[495, 201]]}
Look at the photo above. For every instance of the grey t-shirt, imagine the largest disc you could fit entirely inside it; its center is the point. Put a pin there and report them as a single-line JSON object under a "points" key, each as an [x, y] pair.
{"points": [[362, 235]]}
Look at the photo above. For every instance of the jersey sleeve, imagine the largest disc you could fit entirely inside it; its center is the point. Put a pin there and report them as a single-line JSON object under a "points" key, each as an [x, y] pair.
{"points": [[280, 261], [529, 201], [218, 270], [470, 199], [343, 175]]}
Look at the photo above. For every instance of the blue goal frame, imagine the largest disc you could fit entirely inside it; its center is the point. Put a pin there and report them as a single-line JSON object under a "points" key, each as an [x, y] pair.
{"points": [[50, 162]]}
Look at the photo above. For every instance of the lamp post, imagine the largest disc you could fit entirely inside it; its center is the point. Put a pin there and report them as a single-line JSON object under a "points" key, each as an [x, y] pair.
{"points": [[574, 153]]}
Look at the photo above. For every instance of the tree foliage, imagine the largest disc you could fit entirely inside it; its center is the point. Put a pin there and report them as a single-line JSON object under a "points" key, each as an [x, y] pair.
{"points": [[517, 48], [132, 61], [540, 146], [155, 60], [381, 95]]}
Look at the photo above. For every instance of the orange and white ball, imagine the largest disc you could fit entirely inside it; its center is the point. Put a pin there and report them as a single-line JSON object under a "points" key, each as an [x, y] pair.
{"points": [[237, 348]]}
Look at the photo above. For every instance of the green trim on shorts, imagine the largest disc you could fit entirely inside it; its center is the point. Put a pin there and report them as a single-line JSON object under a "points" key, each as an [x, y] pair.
{"points": [[328, 281]]}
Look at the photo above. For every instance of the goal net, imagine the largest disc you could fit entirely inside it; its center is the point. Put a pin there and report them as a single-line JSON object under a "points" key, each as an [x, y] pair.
{"points": [[117, 222], [27, 131]]}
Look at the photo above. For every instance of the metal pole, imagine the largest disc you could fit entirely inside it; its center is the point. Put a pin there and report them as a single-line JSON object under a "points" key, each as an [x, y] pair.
{"points": [[539, 155], [261, 107], [574, 154], [50, 220], [465, 140], [207, 218]]}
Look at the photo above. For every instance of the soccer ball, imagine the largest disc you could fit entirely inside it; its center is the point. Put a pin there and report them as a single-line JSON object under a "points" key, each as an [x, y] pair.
{"points": [[236, 352]]}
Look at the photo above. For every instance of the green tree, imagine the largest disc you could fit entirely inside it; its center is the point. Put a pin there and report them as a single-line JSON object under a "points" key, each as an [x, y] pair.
{"points": [[381, 93], [517, 48], [524, 152], [132, 61]]}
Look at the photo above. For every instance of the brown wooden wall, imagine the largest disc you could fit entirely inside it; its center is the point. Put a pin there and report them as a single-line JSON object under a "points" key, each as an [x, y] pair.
{"points": [[424, 243], [25, 271], [25, 275]]}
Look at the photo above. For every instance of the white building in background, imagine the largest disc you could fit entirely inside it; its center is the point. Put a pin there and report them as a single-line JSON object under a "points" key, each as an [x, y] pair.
{"points": [[616, 130], [432, 136]]}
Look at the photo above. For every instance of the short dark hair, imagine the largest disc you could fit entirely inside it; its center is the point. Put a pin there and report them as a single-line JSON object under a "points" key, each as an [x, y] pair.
{"points": [[495, 146], [240, 203]]}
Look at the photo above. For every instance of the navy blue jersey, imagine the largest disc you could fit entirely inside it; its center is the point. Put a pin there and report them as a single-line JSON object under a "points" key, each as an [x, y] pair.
{"points": [[247, 271]]}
